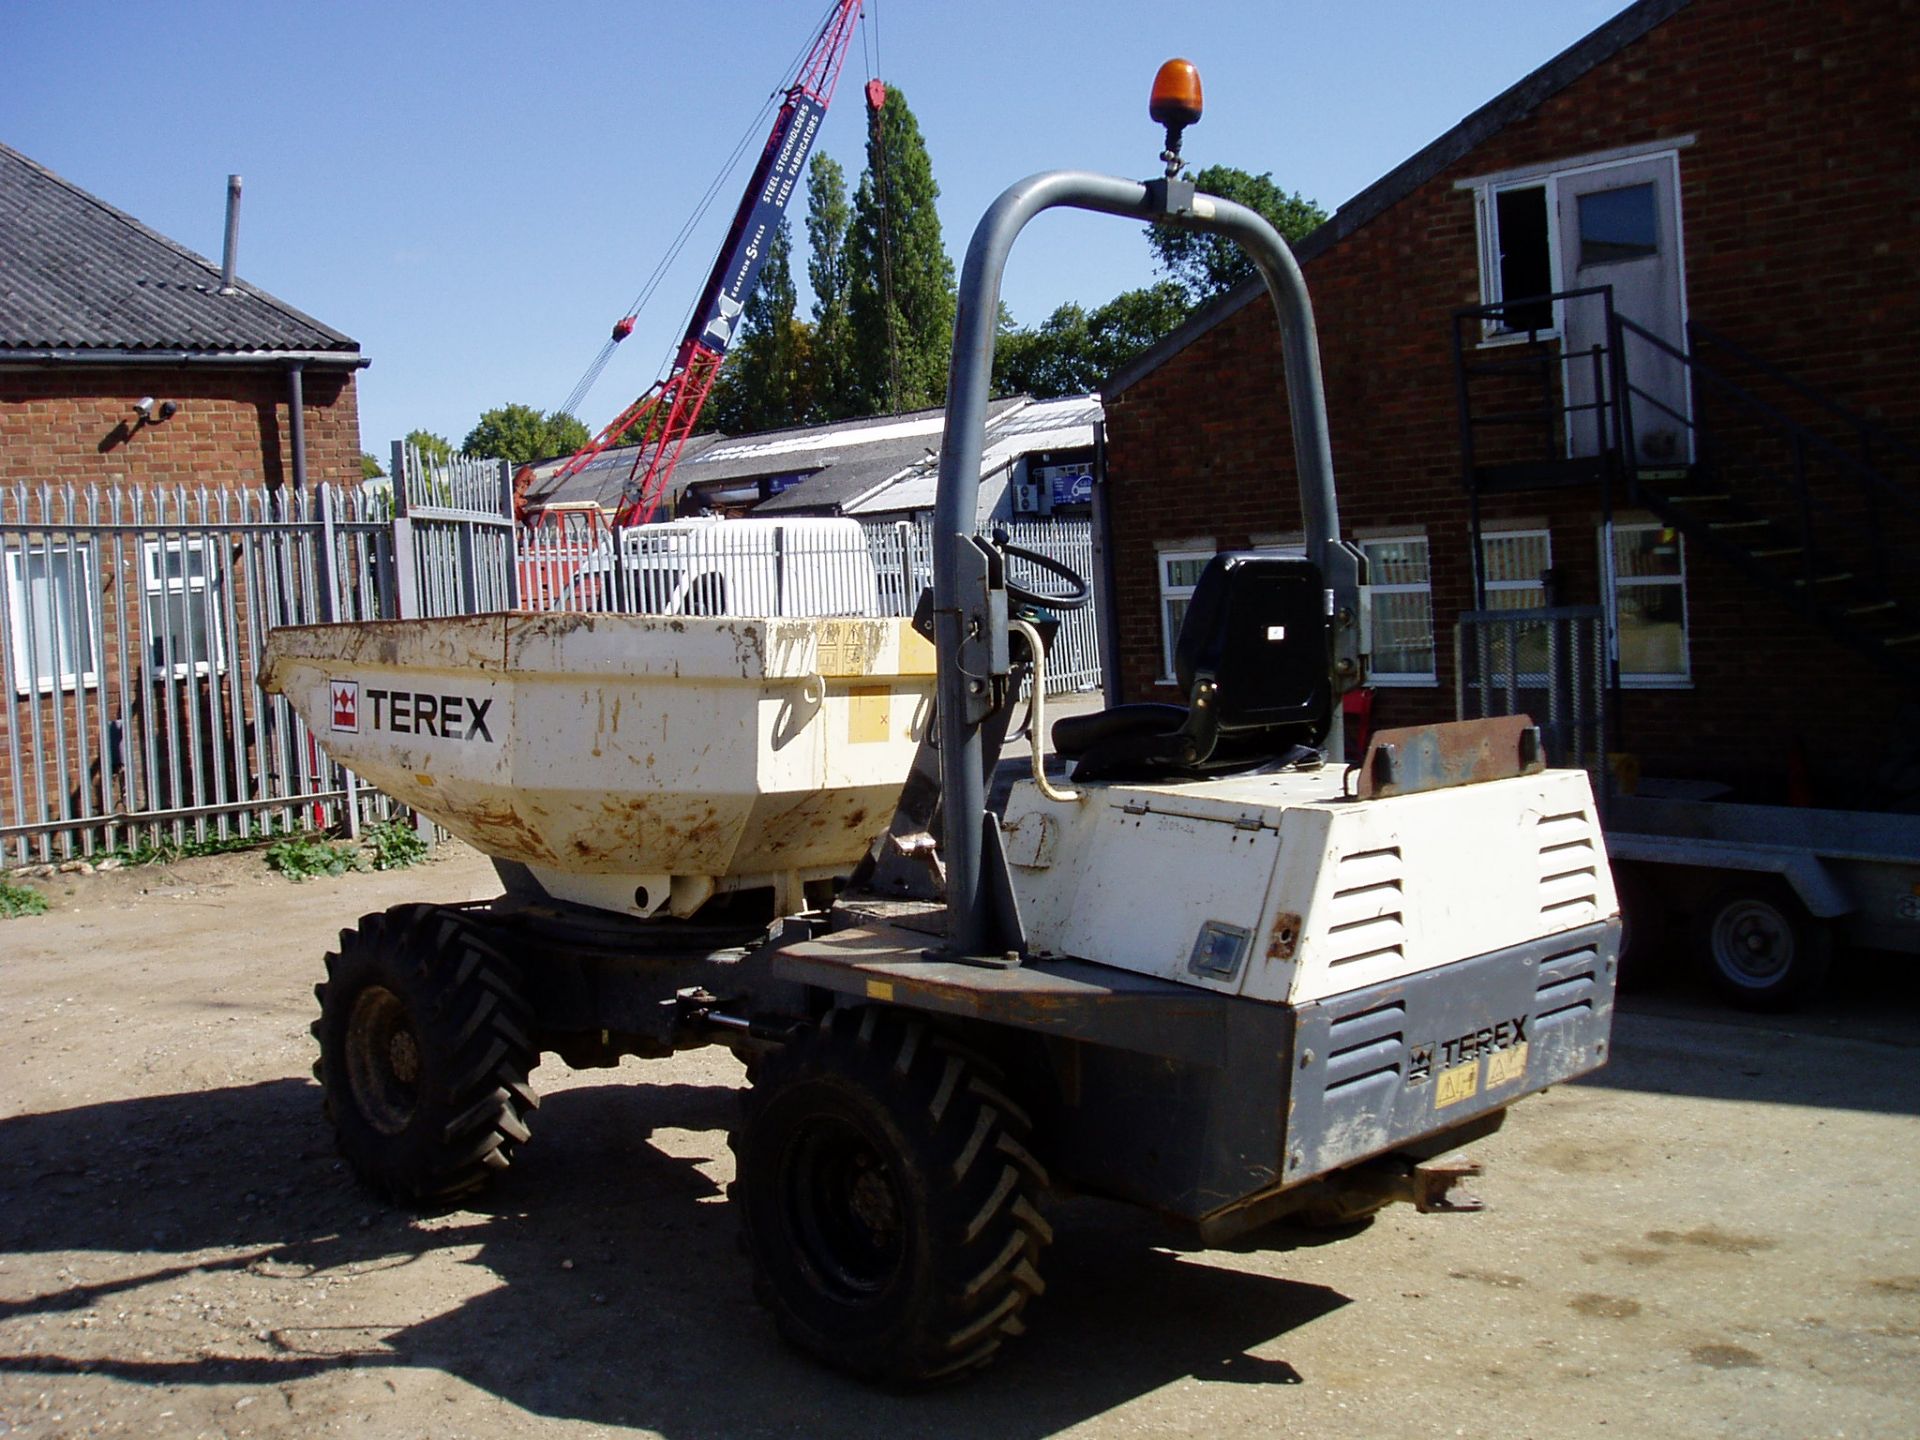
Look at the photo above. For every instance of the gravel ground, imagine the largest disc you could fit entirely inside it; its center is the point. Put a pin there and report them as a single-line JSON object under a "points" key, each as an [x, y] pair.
{"points": [[1715, 1236]]}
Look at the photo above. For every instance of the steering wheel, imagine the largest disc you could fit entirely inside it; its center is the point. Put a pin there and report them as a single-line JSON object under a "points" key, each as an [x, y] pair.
{"points": [[1072, 600]]}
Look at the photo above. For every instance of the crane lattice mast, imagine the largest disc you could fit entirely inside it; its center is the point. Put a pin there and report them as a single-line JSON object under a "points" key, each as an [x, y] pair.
{"points": [[664, 417]]}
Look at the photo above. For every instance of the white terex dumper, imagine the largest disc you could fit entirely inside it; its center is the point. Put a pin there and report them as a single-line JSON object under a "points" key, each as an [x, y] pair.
{"points": [[1217, 977]]}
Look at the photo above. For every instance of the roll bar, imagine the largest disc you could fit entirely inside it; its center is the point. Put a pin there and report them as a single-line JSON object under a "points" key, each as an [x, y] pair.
{"points": [[969, 599]]}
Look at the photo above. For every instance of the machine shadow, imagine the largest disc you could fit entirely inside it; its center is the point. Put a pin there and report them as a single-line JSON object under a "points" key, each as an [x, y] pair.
{"points": [[622, 1297]]}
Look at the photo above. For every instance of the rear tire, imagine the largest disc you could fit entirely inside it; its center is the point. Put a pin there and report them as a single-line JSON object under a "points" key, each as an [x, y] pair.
{"points": [[887, 1198], [424, 1055], [1762, 950]]}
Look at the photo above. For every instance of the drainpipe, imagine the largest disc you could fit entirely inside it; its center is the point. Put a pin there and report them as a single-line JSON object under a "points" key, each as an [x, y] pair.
{"points": [[297, 411], [231, 255]]}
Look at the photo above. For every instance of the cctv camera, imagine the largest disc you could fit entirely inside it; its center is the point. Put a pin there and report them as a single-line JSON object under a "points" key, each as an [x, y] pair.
{"points": [[143, 407]]}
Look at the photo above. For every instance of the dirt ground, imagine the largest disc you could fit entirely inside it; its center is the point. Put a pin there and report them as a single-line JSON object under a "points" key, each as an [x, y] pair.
{"points": [[1717, 1236]]}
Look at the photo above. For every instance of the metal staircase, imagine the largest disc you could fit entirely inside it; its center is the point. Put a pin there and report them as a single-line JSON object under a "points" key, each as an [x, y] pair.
{"points": [[1819, 507], [1809, 517]]}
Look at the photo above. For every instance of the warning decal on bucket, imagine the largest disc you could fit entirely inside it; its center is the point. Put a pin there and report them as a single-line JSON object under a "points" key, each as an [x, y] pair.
{"points": [[346, 704]]}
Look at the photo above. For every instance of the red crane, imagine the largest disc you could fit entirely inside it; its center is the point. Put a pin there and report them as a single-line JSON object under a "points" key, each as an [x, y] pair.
{"points": [[664, 417]]}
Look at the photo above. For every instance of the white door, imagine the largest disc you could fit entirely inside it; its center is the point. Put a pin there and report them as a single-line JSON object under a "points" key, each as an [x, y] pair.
{"points": [[1620, 226]]}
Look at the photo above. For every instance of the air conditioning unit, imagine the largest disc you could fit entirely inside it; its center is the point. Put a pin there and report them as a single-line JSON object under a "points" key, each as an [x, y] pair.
{"points": [[1029, 497]]}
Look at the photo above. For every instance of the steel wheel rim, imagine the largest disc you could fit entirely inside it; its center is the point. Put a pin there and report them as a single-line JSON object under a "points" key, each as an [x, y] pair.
{"points": [[844, 1210], [383, 1060], [1753, 944]]}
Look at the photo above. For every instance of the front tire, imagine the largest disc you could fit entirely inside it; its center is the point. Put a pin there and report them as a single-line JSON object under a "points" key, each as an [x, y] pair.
{"points": [[424, 1055], [888, 1198], [1762, 949]]}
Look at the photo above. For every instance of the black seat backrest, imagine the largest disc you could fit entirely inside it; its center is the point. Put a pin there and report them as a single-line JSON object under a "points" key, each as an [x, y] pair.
{"points": [[1258, 625]]}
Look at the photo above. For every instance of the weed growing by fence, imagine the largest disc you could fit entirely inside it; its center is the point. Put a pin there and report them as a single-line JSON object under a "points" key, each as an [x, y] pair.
{"points": [[395, 845], [19, 900], [300, 857]]}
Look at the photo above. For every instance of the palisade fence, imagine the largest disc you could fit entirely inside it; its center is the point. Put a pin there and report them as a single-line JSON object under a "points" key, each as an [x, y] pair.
{"points": [[133, 624], [713, 567], [131, 630]]}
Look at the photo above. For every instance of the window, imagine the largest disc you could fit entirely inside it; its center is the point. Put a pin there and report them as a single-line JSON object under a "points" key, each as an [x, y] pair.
{"points": [[1647, 575], [1400, 610], [1513, 567], [54, 638], [1521, 245], [1515, 564], [1618, 225], [181, 589], [1179, 573]]}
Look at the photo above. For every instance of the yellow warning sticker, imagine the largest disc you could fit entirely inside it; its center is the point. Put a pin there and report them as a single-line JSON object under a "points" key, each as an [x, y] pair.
{"points": [[879, 990], [1462, 1082], [1506, 1066]]}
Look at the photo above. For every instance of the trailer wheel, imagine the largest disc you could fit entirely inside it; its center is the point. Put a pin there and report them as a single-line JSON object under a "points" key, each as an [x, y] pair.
{"points": [[424, 1055], [887, 1195], [1763, 951]]}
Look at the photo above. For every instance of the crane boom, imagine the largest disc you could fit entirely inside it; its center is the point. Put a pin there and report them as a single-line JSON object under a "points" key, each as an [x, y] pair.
{"points": [[664, 417]]}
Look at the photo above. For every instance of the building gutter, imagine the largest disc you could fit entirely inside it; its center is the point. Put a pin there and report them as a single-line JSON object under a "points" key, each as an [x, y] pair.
{"points": [[256, 359]]}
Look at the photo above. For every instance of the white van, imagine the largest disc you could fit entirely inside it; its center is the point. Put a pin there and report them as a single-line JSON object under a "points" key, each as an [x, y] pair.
{"points": [[709, 566]]}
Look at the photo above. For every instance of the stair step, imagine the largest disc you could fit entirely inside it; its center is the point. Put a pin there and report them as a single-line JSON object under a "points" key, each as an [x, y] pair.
{"points": [[1698, 499], [1778, 552], [1902, 639], [1873, 609], [1834, 579], [1739, 524]]}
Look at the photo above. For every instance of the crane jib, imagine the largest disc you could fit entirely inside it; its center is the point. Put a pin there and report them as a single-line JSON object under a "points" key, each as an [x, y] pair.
{"points": [[761, 210]]}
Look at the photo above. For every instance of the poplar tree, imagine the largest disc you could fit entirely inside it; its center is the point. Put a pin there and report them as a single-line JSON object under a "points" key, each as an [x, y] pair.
{"points": [[827, 221], [901, 298], [764, 384]]}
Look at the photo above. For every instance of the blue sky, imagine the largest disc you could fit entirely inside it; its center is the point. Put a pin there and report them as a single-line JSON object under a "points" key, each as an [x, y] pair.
{"points": [[476, 192]]}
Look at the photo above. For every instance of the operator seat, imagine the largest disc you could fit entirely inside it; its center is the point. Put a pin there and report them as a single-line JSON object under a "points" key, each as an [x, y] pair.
{"points": [[1253, 660]]}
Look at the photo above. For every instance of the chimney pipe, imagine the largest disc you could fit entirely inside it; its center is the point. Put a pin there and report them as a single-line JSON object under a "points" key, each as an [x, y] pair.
{"points": [[227, 260]]}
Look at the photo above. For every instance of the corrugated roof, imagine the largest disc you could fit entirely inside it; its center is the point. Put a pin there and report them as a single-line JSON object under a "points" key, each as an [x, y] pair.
{"points": [[81, 275], [882, 463], [1511, 104], [1063, 424]]}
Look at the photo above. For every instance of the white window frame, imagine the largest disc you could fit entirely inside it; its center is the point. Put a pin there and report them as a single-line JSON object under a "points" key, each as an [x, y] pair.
{"points": [[157, 588], [1168, 634], [1490, 588], [1615, 583], [1400, 679], [1487, 226], [1518, 532], [25, 680], [1486, 217]]}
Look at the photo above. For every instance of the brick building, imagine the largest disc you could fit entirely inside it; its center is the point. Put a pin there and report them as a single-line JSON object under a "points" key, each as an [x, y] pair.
{"points": [[1706, 210], [132, 370], [97, 312]]}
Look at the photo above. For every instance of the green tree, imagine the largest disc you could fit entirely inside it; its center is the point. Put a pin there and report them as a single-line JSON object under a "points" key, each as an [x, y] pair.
{"points": [[432, 447], [827, 271], [520, 433], [1074, 351], [765, 383], [1204, 266], [370, 468], [901, 296]]}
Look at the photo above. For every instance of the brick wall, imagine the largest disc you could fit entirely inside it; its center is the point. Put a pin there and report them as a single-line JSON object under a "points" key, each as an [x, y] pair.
{"points": [[1802, 242], [76, 425]]}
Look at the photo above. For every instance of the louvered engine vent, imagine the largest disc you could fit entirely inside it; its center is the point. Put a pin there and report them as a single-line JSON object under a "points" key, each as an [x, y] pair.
{"points": [[1569, 869], [1366, 915]]}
